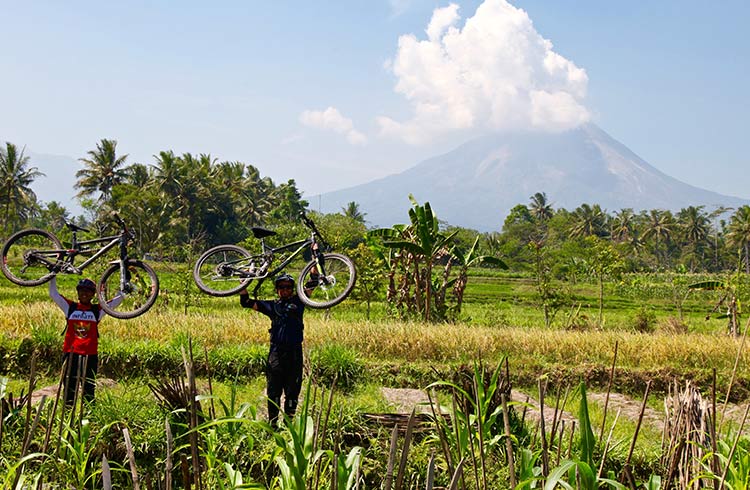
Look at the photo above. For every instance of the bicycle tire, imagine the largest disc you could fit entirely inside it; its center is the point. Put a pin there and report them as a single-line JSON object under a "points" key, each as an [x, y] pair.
{"points": [[331, 290], [19, 267], [215, 277], [142, 289]]}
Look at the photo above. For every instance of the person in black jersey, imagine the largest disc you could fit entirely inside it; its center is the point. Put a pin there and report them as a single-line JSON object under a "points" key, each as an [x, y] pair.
{"points": [[284, 367]]}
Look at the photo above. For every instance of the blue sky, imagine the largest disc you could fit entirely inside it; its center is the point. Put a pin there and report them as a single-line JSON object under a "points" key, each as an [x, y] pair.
{"points": [[334, 94]]}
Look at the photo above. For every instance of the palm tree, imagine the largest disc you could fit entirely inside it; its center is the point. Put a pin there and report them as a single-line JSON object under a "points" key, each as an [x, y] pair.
{"points": [[694, 230], [352, 211], [718, 229], [540, 208], [15, 179], [103, 170], [659, 227], [739, 233], [589, 221], [623, 225], [138, 175]]}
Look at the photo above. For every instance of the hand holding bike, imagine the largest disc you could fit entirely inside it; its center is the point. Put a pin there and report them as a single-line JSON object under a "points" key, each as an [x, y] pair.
{"points": [[32, 257]]}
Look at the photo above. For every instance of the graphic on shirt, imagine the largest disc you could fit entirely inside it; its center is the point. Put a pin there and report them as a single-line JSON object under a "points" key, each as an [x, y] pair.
{"points": [[82, 321]]}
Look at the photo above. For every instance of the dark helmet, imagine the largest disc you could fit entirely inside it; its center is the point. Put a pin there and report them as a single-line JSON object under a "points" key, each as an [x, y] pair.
{"points": [[283, 278], [86, 284]]}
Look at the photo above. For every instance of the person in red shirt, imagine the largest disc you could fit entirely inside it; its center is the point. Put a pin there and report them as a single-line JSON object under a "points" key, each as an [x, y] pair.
{"points": [[81, 344]]}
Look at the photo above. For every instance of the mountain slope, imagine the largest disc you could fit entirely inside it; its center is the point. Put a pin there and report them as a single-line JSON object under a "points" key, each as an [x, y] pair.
{"points": [[477, 184]]}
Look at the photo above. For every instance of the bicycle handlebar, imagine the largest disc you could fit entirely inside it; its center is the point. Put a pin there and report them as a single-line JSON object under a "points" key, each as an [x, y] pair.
{"points": [[311, 224], [122, 223]]}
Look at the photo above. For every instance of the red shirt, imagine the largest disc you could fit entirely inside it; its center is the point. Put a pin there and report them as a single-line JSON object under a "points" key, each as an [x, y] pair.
{"points": [[82, 331]]}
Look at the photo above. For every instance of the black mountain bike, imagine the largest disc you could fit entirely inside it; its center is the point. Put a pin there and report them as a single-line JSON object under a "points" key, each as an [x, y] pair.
{"points": [[324, 281], [32, 257]]}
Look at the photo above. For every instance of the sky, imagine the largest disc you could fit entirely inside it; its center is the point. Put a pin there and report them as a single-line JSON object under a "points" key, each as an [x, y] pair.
{"points": [[338, 93]]}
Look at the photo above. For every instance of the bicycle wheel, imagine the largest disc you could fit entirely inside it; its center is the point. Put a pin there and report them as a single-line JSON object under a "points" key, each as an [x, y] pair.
{"points": [[323, 291], [29, 256], [139, 291], [223, 270]]}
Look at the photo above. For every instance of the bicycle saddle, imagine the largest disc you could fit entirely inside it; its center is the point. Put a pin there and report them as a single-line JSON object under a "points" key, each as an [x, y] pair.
{"points": [[261, 232], [74, 227]]}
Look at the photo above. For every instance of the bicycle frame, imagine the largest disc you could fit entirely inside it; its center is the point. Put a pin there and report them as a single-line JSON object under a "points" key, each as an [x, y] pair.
{"points": [[79, 247], [268, 253]]}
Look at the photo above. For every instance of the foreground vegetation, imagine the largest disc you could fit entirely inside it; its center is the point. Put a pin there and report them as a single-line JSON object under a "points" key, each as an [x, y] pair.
{"points": [[501, 320]]}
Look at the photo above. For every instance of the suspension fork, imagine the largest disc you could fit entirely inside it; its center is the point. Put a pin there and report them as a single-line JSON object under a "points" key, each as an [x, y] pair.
{"points": [[319, 259], [123, 262]]}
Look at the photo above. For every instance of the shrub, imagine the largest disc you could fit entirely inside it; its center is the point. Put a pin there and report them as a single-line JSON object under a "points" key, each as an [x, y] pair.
{"points": [[644, 320], [333, 362]]}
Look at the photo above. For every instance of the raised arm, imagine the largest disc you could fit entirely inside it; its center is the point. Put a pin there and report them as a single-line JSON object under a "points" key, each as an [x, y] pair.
{"points": [[113, 303], [58, 298], [246, 301]]}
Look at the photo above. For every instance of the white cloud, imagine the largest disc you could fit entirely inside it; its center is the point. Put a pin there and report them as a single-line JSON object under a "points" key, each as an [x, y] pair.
{"points": [[332, 120], [495, 72]]}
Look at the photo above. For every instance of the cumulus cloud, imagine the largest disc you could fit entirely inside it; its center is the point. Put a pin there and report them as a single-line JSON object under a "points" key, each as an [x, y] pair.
{"points": [[494, 72], [331, 119]]}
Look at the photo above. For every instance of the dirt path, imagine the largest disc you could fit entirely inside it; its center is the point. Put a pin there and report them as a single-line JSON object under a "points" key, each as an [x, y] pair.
{"points": [[404, 400]]}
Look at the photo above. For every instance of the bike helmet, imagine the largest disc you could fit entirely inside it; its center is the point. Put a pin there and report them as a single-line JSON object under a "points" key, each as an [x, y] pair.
{"points": [[283, 278], [86, 284]]}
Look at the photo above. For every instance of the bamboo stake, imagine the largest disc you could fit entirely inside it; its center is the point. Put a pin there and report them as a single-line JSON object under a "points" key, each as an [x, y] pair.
{"points": [[82, 387], [559, 442], [440, 427], [32, 385], [545, 458], [51, 419], [34, 425], [606, 446], [553, 429], [457, 475], [734, 373], [391, 459], [131, 459], [168, 462], [508, 442], [212, 409], [609, 389], [626, 468], [570, 442], [715, 458], [106, 474], [430, 479], [405, 449]]}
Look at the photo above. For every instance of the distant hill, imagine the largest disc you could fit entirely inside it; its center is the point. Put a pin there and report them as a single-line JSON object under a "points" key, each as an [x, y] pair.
{"points": [[477, 184]]}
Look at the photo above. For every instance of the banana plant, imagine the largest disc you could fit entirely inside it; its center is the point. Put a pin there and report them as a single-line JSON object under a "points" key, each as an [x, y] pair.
{"points": [[423, 244], [468, 259]]}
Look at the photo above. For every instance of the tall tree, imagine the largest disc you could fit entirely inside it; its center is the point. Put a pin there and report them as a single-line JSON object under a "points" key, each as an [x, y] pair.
{"points": [[659, 229], [16, 176], [694, 228], [351, 210], [589, 221], [540, 208], [103, 169], [738, 233]]}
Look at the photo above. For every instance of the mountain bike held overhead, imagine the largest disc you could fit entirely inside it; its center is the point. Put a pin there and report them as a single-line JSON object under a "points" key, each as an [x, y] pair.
{"points": [[324, 281], [33, 256]]}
